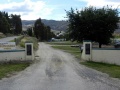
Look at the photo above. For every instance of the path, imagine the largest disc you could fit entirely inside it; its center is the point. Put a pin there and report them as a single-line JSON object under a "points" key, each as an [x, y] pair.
{"points": [[57, 70]]}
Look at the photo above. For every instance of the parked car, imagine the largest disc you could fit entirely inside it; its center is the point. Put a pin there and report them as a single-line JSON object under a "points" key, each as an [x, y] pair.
{"points": [[117, 44]]}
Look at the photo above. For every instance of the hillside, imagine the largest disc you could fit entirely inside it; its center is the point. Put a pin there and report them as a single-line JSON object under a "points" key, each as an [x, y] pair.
{"points": [[55, 25]]}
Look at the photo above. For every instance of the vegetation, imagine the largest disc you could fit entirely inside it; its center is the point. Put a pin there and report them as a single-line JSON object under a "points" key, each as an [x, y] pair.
{"points": [[10, 24], [7, 70], [66, 46], [55, 25], [4, 22], [42, 32], [29, 32], [73, 50], [29, 39], [16, 24], [95, 24], [111, 69], [63, 43]]}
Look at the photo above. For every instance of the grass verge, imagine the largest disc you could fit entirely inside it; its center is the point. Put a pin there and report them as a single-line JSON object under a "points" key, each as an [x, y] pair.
{"points": [[63, 43], [73, 50], [8, 69], [111, 69]]}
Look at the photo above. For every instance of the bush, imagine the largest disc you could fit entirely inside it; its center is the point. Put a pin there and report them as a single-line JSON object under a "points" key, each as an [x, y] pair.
{"points": [[29, 39]]}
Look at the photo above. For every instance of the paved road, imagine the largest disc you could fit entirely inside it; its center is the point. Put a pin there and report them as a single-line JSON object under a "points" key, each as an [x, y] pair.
{"points": [[8, 39], [57, 70]]}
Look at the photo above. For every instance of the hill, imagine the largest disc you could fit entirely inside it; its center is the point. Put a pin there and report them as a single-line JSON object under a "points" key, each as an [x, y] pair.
{"points": [[55, 25]]}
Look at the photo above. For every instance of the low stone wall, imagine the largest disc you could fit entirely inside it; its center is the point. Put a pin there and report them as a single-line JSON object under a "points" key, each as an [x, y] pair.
{"points": [[12, 55], [106, 55], [111, 56]]}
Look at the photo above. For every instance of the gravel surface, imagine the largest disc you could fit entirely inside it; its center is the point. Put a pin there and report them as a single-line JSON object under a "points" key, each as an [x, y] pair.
{"points": [[8, 38], [57, 70]]}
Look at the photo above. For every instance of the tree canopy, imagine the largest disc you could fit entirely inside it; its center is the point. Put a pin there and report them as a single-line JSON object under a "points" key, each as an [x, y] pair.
{"points": [[91, 23], [16, 24], [10, 24], [4, 22], [41, 31]]}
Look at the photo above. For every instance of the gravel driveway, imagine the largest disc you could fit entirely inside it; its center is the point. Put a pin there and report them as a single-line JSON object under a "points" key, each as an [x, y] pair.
{"points": [[57, 70]]}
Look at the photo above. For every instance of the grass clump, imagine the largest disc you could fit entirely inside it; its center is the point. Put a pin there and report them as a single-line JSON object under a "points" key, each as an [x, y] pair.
{"points": [[111, 69], [29, 39], [10, 68]]}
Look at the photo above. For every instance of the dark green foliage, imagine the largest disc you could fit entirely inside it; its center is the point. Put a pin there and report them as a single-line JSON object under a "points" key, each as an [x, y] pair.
{"points": [[4, 23], [10, 24], [16, 24], [41, 31], [29, 31], [93, 24]]}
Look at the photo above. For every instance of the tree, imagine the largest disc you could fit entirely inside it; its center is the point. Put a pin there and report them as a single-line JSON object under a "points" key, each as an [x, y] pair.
{"points": [[41, 31], [92, 24], [29, 31], [4, 23], [16, 23]]}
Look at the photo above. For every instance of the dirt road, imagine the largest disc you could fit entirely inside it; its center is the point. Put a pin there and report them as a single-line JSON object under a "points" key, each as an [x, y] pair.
{"points": [[57, 70]]}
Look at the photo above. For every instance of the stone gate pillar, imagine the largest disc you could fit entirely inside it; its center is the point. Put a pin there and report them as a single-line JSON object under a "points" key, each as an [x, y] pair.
{"points": [[87, 50]]}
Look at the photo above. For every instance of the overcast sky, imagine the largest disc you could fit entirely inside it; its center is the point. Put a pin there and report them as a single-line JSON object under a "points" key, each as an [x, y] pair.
{"points": [[49, 9]]}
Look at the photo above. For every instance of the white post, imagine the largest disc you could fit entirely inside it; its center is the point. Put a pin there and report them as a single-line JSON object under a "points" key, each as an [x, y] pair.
{"points": [[87, 50], [29, 51]]}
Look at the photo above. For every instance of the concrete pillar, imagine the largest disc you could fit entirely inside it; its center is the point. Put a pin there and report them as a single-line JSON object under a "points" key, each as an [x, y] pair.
{"points": [[87, 51], [29, 51]]}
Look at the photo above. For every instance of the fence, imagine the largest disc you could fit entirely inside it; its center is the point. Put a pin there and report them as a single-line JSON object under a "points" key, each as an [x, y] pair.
{"points": [[106, 55], [26, 54]]}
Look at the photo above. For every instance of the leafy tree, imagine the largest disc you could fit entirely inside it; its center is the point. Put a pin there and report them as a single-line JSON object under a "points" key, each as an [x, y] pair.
{"points": [[16, 23], [29, 31], [92, 24], [41, 31], [4, 24]]}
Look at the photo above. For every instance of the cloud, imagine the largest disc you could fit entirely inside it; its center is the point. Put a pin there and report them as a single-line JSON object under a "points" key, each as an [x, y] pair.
{"points": [[27, 9], [101, 3]]}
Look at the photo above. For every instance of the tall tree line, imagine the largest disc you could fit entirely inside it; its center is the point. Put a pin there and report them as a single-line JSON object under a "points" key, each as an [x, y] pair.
{"points": [[42, 32], [91, 23], [10, 23]]}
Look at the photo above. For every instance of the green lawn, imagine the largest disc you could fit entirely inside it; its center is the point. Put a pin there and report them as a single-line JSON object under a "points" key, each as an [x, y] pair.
{"points": [[73, 50], [63, 43], [111, 69], [10, 68]]}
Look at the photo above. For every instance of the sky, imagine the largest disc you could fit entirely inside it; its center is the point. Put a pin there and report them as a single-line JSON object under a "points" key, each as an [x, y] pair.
{"points": [[50, 9]]}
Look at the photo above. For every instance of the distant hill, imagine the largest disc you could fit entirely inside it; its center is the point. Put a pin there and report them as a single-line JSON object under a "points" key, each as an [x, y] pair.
{"points": [[55, 25]]}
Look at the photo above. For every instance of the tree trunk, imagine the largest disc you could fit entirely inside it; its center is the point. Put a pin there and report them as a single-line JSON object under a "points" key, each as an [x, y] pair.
{"points": [[100, 45]]}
